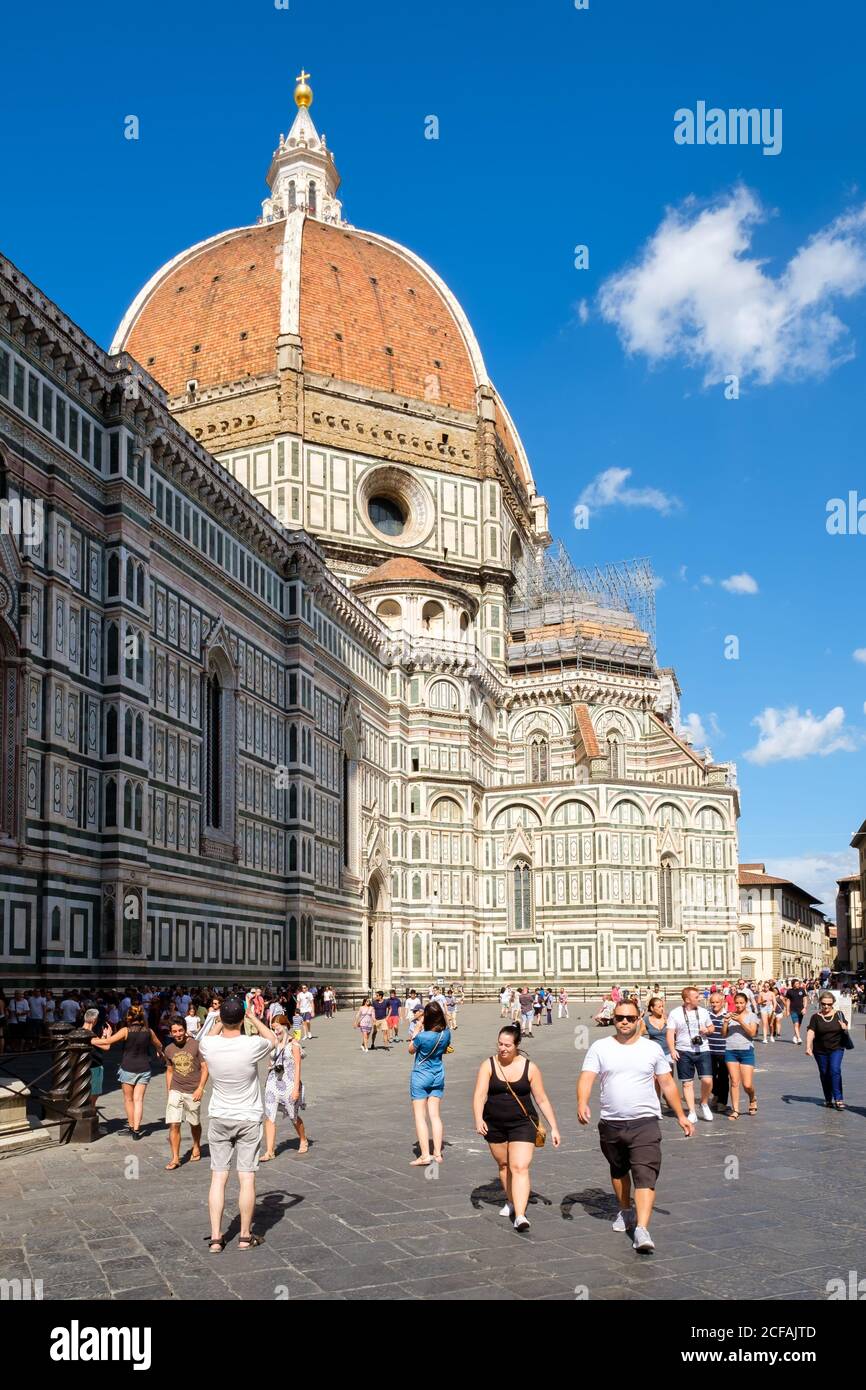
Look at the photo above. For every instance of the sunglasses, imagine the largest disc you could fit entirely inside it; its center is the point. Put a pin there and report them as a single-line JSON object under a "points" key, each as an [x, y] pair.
{"points": [[625, 1018]]}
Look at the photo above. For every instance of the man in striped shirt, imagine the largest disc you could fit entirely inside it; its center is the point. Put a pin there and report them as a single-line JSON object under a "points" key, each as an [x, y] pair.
{"points": [[718, 1014]]}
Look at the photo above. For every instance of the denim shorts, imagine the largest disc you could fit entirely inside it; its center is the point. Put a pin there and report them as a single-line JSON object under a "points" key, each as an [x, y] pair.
{"points": [[693, 1064], [746, 1057], [133, 1078]]}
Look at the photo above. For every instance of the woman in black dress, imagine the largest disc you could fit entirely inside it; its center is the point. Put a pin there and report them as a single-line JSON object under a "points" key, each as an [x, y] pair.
{"points": [[826, 1041], [505, 1114]]}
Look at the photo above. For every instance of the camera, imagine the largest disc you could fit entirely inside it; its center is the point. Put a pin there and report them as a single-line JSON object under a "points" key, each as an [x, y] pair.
{"points": [[278, 1070], [697, 1040]]}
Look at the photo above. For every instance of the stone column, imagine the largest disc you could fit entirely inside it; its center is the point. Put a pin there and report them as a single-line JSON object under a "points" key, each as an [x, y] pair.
{"points": [[61, 1066], [82, 1109]]}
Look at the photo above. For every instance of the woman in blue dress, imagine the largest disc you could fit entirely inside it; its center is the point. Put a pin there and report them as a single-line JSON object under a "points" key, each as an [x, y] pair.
{"points": [[427, 1083]]}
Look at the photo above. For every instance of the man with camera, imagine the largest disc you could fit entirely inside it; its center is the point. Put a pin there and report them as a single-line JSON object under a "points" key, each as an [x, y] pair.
{"points": [[688, 1032]]}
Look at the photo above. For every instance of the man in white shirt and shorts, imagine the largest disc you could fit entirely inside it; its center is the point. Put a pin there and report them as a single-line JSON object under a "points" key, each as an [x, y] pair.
{"points": [[235, 1114], [689, 1030], [628, 1130]]}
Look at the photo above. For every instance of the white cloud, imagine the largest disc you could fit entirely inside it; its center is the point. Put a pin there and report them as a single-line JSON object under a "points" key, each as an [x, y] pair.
{"points": [[693, 725], [657, 582], [786, 733], [698, 292], [707, 579], [682, 572], [740, 584], [608, 489], [582, 311], [860, 654], [714, 725], [817, 873]]}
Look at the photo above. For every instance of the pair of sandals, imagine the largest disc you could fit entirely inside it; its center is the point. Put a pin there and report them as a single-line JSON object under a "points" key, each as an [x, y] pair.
{"points": [[217, 1244], [753, 1110]]}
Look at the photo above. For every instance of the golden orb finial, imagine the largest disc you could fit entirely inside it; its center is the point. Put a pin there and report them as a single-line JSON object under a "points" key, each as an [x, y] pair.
{"points": [[303, 93]]}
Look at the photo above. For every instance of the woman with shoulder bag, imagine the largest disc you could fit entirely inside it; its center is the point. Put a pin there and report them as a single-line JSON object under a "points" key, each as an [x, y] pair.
{"points": [[505, 1115], [827, 1040], [364, 1020], [427, 1083]]}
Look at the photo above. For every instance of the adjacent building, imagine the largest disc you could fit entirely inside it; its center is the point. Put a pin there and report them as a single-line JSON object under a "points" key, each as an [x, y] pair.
{"points": [[851, 911], [782, 931], [295, 682]]}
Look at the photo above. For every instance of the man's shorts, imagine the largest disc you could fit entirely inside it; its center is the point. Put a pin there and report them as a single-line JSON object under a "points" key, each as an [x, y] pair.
{"points": [[796, 1017], [632, 1146], [308, 1018], [180, 1106], [97, 1080], [694, 1064], [242, 1137]]}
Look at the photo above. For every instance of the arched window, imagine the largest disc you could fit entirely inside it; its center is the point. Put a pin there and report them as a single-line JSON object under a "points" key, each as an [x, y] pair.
{"points": [[139, 806], [127, 734], [111, 730], [416, 887], [293, 802], [390, 612], [521, 897], [139, 587], [293, 854], [293, 938], [130, 580], [214, 749], [416, 952], [442, 695], [614, 761], [139, 737], [395, 797], [626, 813], [113, 575], [668, 814], [311, 199], [293, 743], [56, 924], [447, 809], [395, 950], [416, 847], [433, 619], [111, 802], [415, 801], [539, 759], [127, 805], [293, 203], [668, 897], [112, 648]]}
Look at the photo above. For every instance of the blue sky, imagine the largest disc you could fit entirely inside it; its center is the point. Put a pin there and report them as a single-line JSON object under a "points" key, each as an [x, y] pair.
{"points": [[555, 130]]}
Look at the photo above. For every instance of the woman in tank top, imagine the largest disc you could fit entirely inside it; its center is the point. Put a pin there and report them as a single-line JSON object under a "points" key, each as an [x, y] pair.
{"points": [[509, 1092], [134, 1070], [654, 1027]]}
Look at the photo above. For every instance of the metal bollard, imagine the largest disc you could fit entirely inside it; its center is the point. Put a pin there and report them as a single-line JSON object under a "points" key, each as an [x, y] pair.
{"points": [[81, 1107], [61, 1062]]}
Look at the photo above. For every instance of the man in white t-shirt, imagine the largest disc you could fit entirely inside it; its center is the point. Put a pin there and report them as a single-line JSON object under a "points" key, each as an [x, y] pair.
{"points": [[235, 1113], [304, 1005], [69, 1009], [628, 1131], [689, 1030]]}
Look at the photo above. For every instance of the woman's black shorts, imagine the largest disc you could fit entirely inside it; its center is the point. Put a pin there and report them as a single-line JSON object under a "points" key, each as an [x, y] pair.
{"points": [[632, 1146], [520, 1131]]}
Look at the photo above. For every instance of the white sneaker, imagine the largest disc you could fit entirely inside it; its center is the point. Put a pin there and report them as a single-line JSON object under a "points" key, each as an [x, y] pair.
{"points": [[507, 1210], [642, 1239], [692, 1117], [706, 1113], [625, 1221], [520, 1223]]}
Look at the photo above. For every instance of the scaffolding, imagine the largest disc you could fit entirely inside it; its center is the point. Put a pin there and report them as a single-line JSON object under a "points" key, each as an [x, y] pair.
{"points": [[597, 616]]}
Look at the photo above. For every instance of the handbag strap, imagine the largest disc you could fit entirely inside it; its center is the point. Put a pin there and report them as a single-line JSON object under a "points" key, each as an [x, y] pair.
{"points": [[515, 1095], [432, 1050]]}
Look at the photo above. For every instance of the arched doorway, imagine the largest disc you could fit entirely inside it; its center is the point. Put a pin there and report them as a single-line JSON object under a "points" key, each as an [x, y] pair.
{"points": [[376, 967]]}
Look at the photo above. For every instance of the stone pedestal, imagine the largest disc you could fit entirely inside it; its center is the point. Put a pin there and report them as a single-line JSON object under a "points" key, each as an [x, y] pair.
{"points": [[18, 1133]]}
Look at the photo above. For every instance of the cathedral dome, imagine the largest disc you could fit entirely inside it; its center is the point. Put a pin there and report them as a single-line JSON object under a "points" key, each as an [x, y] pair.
{"points": [[367, 312], [360, 316]]}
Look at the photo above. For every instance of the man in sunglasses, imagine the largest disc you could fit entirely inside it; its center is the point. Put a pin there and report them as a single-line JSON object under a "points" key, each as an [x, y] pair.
{"points": [[628, 1130]]}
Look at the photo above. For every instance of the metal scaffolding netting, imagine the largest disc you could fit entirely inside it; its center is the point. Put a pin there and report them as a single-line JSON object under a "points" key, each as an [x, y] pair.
{"points": [[558, 608]]}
